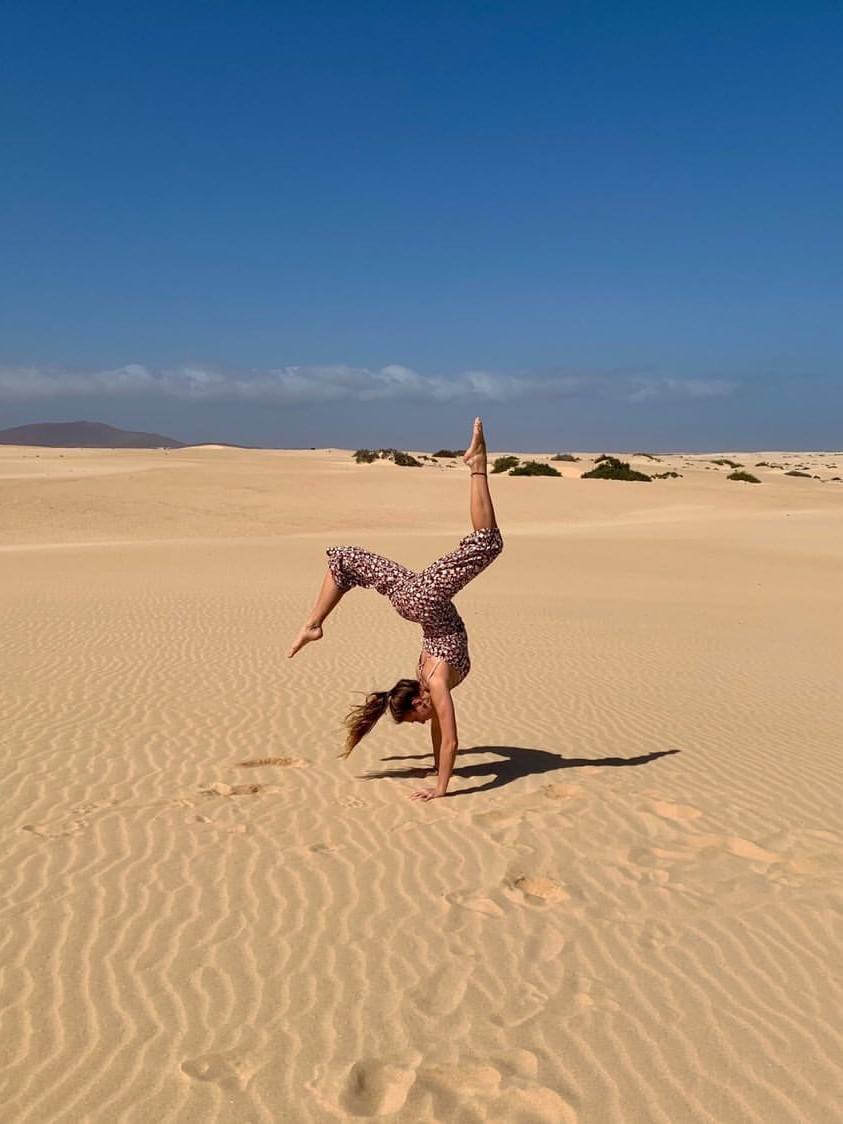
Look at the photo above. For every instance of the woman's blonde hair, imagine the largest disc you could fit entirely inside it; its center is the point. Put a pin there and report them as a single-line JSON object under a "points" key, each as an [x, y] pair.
{"points": [[361, 718]]}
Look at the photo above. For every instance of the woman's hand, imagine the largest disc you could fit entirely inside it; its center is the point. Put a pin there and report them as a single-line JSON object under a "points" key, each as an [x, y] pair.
{"points": [[425, 794]]}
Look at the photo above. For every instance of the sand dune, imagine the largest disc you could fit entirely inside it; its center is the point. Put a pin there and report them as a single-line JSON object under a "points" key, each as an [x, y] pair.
{"points": [[628, 910]]}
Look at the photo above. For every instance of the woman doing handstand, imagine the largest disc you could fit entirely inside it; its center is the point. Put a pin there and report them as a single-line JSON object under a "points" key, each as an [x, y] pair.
{"points": [[424, 598]]}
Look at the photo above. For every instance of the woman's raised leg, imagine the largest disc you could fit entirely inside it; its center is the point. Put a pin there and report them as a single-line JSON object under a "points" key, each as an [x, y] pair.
{"points": [[449, 574], [482, 510]]}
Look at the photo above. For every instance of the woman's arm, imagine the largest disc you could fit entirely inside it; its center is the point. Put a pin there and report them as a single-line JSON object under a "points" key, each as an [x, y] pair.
{"points": [[435, 739], [443, 706]]}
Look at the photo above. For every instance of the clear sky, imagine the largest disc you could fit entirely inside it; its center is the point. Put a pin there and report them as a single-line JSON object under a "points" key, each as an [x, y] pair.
{"points": [[601, 225]]}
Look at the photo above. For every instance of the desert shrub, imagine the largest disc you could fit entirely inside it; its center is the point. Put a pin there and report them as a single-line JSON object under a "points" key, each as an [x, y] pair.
{"points": [[406, 460], [603, 457], [366, 456], [835, 478], [664, 475], [503, 464], [747, 476], [535, 468], [564, 457], [649, 456], [796, 472], [449, 453], [725, 460], [610, 468]]}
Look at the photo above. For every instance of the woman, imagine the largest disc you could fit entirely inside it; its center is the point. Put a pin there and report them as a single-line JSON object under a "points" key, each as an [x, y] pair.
{"points": [[426, 599]]}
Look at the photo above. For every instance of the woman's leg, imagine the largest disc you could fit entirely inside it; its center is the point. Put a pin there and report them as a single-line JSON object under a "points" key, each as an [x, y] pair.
{"points": [[482, 510], [328, 598], [348, 566], [448, 574]]}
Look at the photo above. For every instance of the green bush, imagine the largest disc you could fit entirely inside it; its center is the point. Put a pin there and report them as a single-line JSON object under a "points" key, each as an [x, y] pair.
{"points": [[535, 468], [366, 456], [564, 457], [449, 453], [610, 468], [664, 475], [731, 464], [649, 456], [502, 464], [406, 460], [747, 476], [796, 472]]}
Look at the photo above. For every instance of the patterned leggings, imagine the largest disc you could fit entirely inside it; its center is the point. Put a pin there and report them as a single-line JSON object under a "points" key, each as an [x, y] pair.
{"points": [[424, 597]]}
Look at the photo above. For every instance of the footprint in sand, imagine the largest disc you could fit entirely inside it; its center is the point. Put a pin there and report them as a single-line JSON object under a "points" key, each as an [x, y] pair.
{"points": [[677, 812], [502, 1092], [56, 830], [740, 848], [536, 890], [351, 802], [499, 1092], [582, 994], [284, 762], [441, 991], [525, 1004], [701, 854], [63, 826], [376, 1088], [543, 945], [474, 902], [562, 791], [229, 1070], [220, 788], [229, 829]]}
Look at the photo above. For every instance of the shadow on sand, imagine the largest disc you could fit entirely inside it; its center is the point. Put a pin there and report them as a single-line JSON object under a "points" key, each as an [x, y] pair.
{"points": [[516, 761]]}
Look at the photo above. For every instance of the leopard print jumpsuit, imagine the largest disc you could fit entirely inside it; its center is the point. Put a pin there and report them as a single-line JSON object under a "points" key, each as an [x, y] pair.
{"points": [[425, 597]]}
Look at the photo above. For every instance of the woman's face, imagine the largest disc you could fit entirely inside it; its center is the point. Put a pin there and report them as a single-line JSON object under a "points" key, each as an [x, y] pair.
{"points": [[422, 709]]}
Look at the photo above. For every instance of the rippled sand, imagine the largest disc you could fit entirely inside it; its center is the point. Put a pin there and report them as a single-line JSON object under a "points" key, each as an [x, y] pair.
{"points": [[628, 910]]}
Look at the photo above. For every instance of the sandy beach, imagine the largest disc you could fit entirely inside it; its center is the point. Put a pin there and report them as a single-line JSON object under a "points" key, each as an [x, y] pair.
{"points": [[628, 909]]}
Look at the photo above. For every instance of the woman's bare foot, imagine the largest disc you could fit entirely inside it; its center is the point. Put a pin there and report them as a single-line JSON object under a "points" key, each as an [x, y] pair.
{"points": [[308, 633], [475, 454]]}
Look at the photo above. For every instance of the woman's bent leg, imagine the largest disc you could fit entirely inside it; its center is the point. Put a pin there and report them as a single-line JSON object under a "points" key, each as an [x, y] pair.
{"points": [[353, 565], [348, 566], [327, 599], [448, 574]]}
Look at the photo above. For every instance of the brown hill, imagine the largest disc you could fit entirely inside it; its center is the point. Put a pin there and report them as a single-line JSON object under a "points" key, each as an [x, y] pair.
{"points": [[84, 435]]}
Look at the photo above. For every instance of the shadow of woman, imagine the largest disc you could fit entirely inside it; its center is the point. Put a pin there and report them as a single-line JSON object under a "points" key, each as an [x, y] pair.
{"points": [[515, 761]]}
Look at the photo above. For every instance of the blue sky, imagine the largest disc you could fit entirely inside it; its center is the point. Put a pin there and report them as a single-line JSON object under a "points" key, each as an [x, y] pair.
{"points": [[343, 224]]}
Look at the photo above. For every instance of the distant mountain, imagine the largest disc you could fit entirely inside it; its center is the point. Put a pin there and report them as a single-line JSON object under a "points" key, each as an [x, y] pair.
{"points": [[84, 435]]}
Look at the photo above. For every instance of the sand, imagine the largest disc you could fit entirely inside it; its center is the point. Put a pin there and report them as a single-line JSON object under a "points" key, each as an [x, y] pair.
{"points": [[628, 910]]}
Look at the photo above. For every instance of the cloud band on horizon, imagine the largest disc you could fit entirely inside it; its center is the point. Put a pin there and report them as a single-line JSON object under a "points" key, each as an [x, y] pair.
{"points": [[319, 384]]}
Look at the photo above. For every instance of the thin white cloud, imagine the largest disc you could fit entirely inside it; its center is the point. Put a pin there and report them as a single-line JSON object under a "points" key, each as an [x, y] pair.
{"points": [[314, 384]]}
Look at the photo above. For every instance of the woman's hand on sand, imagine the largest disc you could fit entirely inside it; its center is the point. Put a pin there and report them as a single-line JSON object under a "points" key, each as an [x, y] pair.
{"points": [[425, 794]]}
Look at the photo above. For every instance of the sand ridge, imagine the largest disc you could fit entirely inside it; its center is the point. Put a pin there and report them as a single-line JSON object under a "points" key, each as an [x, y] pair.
{"points": [[626, 911]]}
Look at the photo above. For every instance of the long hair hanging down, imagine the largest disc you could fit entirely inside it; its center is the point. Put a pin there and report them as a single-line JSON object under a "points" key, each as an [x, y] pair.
{"points": [[361, 718]]}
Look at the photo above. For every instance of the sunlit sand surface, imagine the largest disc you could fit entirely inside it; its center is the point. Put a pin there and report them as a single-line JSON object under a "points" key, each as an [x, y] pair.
{"points": [[629, 908]]}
